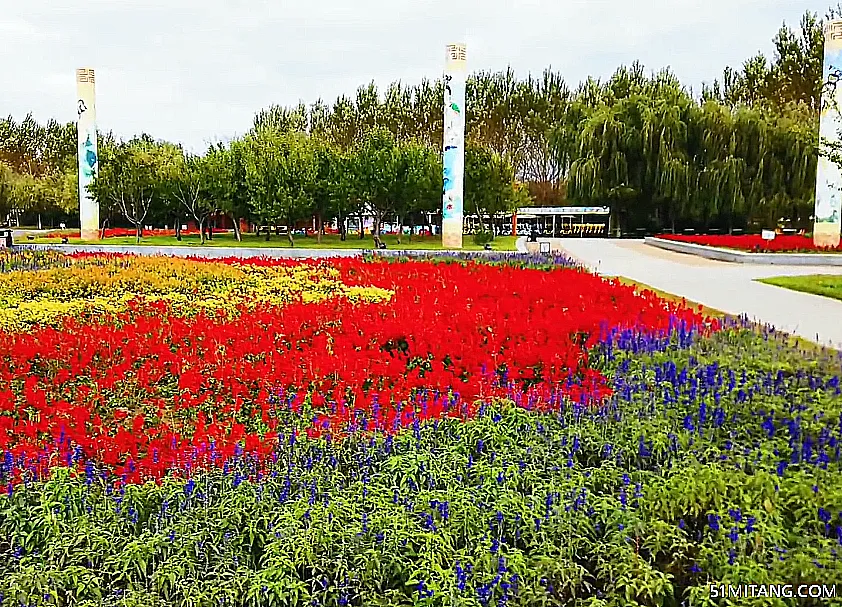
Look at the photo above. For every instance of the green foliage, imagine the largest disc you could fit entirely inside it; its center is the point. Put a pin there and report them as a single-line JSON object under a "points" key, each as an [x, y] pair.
{"points": [[225, 180], [135, 177], [38, 167], [482, 238], [489, 183], [280, 172], [577, 508], [793, 76], [375, 166], [418, 186], [655, 153]]}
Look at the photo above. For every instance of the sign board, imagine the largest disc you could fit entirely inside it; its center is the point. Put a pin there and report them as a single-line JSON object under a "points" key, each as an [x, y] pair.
{"points": [[827, 224], [768, 235], [453, 158], [87, 148]]}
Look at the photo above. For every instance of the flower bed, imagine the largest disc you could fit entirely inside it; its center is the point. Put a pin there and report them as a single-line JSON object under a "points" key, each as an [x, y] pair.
{"points": [[755, 243], [399, 432]]}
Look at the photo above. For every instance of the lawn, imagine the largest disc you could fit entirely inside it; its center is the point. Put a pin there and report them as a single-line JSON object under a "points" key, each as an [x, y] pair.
{"points": [[329, 241], [826, 285], [372, 432]]}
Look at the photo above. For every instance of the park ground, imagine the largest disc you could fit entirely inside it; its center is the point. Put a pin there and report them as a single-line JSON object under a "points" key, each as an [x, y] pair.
{"points": [[809, 312]]}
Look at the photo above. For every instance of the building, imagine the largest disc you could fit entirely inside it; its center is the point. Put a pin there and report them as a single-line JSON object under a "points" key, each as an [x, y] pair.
{"points": [[548, 222], [560, 222]]}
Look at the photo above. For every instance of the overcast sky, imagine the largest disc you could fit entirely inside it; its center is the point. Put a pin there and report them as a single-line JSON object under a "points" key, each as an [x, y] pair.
{"points": [[196, 71]]}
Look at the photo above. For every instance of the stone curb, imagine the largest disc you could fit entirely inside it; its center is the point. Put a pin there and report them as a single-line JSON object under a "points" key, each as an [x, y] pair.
{"points": [[718, 254]]}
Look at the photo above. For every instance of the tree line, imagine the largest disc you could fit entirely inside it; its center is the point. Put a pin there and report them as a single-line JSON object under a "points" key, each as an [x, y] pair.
{"points": [[740, 153]]}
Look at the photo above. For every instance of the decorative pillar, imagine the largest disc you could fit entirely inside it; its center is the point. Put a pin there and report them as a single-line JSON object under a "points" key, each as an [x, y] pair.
{"points": [[455, 73], [828, 212], [88, 159]]}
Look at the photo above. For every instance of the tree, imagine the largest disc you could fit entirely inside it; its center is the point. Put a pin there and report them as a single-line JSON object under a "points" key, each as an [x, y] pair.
{"points": [[489, 185], [282, 119], [343, 184], [324, 184], [417, 185], [224, 181], [189, 185], [130, 179], [375, 166], [8, 191], [280, 171], [793, 76]]}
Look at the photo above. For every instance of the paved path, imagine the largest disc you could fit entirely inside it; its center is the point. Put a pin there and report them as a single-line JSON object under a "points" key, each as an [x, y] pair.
{"points": [[247, 252], [729, 287], [196, 251]]}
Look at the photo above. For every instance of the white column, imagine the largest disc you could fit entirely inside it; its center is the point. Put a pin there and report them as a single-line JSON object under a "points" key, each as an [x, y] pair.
{"points": [[455, 73], [828, 212], [88, 159]]}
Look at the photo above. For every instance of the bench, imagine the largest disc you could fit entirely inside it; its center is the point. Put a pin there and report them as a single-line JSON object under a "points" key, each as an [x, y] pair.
{"points": [[279, 230]]}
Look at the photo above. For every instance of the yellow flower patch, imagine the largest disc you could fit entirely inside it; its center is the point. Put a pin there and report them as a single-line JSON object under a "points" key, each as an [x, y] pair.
{"points": [[106, 284]]}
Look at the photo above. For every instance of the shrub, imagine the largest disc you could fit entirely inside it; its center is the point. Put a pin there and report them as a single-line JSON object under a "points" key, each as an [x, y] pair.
{"points": [[483, 238]]}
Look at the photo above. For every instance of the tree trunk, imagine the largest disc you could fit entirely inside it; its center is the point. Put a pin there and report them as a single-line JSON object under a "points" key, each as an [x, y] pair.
{"points": [[400, 228], [138, 232], [362, 229], [319, 227], [343, 234], [178, 229], [201, 223], [376, 231], [237, 234], [211, 223]]}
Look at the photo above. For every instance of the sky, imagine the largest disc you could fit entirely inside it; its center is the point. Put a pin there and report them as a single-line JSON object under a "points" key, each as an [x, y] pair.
{"points": [[196, 71]]}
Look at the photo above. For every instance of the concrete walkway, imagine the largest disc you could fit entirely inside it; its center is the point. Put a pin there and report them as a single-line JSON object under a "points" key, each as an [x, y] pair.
{"points": [[245, 252], [195, 251], [725, 286]]}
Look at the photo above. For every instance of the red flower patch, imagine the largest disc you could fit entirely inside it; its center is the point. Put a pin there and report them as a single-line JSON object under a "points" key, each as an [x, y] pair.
{"points": [[148, 392], [754, 242]]}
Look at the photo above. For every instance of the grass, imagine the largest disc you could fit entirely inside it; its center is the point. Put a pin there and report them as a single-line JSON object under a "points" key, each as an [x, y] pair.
{"points": [[329, 241], [826, 285]]}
